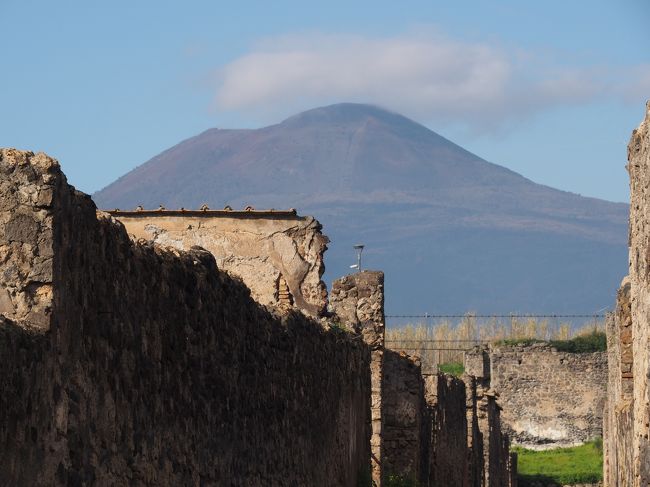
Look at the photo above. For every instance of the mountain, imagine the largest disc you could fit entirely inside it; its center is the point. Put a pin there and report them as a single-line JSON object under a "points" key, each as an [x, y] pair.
{"points": [[453, 232]]}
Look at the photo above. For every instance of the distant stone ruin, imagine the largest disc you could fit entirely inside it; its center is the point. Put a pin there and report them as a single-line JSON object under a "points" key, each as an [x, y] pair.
{"points": [[627, 416], [139, 361], [550, 399], [431, 429]]}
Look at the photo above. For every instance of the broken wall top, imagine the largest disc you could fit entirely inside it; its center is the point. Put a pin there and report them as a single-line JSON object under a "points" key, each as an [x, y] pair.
{"points": [[277, 254]]}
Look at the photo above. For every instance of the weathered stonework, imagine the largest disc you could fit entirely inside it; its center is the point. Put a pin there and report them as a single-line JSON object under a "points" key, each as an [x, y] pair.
{"points": [[627, 419], [430, 429], [126, 362], [499, 465], [147, 366], [405, 435], [449, 457], [278, 254], [357, 301], [27, 186], [550, 399], [618, 427]]}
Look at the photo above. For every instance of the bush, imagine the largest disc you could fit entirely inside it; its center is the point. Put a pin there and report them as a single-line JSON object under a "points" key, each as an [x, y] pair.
{"points": [[592, 342], [595, 341]]}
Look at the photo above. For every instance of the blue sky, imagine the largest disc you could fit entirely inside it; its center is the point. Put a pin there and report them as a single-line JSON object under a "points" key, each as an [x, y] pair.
{"points": [[549, 89]]}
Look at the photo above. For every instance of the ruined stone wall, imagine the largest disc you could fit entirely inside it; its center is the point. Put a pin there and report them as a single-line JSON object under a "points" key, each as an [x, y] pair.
{"points": [[449, 457], [357, 302], [127, 363], [428, 429], [499, 464], [476, 467], [405, 432], [549, 398], [627, 421], [618, 429], [26, 221], [277, 254]]}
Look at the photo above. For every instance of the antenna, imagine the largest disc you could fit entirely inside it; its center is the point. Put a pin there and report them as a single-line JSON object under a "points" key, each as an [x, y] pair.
{"points": [[359, 249]]}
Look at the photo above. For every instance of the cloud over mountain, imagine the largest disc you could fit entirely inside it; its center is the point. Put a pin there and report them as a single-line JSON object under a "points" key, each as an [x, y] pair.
{"points": [[429, 76]]}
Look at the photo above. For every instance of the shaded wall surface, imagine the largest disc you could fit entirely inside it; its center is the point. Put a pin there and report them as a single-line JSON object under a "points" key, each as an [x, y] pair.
{"points": [[449, 455], [278, 254], [618, 425], [627, 419], [357, 301], [404, 436], [549, 398], [134, 364]]}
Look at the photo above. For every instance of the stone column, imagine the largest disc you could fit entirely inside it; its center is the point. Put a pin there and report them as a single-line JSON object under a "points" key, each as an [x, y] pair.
{"points": [[358, 302]]}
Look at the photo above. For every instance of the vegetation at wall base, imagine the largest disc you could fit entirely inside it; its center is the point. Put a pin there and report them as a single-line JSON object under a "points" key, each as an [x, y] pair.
{"points": [[565, 466], [452, 368], [399, 481]]}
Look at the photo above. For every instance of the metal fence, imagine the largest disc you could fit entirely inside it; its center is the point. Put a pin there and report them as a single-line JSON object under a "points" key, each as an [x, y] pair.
{"points": [[437, 341]]}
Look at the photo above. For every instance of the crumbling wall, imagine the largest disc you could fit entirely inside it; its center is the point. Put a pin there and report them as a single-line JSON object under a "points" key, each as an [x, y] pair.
{"points": [[449, 457], [277, 254], [627, 421], [499, 464], [26, 189], [618, 429], [404, 434], [475, 465], [145, 365], [357, 301], [549, 398], [427, 429]]}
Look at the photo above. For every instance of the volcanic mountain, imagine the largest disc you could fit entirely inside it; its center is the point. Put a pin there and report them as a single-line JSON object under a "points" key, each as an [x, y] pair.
{"points": [[453, 232]]}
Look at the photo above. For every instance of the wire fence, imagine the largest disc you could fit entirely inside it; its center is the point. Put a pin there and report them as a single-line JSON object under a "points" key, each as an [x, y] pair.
{"points": [[470, 315], [444, 338]]}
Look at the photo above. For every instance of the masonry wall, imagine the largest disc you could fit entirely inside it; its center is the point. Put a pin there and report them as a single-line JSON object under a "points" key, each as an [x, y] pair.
{"points": [[405, 433], [431, 429], [357, 302], [278, 254], [499, 469], [449, 457], [627, 422], [134, 364], [475, 463], [618, 427], [549, 398]]}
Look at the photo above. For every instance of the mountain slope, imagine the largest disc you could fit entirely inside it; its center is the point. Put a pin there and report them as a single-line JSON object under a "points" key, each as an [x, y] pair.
{"points": [[453, 232]]}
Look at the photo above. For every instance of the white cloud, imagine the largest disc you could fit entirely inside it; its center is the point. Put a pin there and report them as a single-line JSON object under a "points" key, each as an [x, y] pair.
{"points": [[429, 77]]}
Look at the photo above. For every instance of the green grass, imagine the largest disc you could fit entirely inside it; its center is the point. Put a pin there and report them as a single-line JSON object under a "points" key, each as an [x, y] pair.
{"points": [[452, 368], [576, 465]]}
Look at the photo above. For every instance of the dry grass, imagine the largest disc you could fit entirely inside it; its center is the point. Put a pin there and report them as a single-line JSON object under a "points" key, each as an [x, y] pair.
{"points": [[444, 341]]}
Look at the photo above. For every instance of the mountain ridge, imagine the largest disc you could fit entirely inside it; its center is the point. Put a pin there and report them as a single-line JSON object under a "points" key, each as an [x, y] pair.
{"points": [[374, 175]]}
